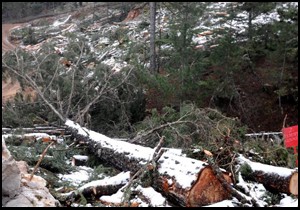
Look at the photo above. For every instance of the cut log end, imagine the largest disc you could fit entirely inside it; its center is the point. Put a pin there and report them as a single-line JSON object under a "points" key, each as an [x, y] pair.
{"points": [[294, 184], [208, 189]]}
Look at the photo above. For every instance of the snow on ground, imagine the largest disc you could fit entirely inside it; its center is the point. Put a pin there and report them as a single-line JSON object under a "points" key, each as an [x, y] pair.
{"points": [[155, 198], [151, 198], [224, 203], [77, 177], [288, 201]]}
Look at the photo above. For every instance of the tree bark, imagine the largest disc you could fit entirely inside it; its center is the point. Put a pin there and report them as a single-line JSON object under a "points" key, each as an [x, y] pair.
{"points": [[184, 181], [275, 179], [152, 36], [250, 18]]}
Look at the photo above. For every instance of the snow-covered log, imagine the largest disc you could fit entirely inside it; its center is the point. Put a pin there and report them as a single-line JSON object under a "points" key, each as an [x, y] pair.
{"points": [[274, 178], [98, 188], [49, 130], [184, 181]]}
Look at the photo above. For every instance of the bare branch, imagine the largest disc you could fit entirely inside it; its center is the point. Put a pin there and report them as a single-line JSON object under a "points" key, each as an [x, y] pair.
{"points": [[56, 70], [102, 91], [40, 160], [139, 137], [73, 79]]}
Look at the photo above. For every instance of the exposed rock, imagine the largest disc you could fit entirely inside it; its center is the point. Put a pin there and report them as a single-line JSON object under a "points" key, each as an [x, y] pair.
{"points": [[17, 188], [11, 176], [23, 167], [35, 182], [33, 195]]}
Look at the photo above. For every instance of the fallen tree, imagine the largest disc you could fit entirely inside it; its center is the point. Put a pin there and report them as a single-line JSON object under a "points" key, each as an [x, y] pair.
{"points": [[51, 130], [275, 179], [184, 181]]}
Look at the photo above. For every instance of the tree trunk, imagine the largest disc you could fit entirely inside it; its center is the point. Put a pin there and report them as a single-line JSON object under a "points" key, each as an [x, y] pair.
{"points": [[159, 37], [184, 181], [152, 37], [47, 130], [274, 178], [250, 18]]}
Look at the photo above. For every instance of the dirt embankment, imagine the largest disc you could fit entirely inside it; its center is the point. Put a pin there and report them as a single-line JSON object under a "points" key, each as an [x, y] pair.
{"points": [[9, 87], [6, 45]]}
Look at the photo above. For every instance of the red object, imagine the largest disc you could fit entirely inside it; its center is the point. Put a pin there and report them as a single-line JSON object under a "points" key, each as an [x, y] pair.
{"points": [[290, 136]]}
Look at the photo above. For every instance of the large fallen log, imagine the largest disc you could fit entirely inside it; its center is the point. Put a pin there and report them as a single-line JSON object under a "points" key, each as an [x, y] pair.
{"points": [[49, 130], [184, 181], [274, 178]]}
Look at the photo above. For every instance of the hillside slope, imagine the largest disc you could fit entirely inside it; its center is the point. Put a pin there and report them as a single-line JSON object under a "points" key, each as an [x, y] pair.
{"points": [[258, 106]]}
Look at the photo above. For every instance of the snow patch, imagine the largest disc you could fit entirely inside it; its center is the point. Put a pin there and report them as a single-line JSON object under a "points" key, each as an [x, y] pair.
{"points": [[58, 23], [77, 177], [156, 199], [288, 201]]}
